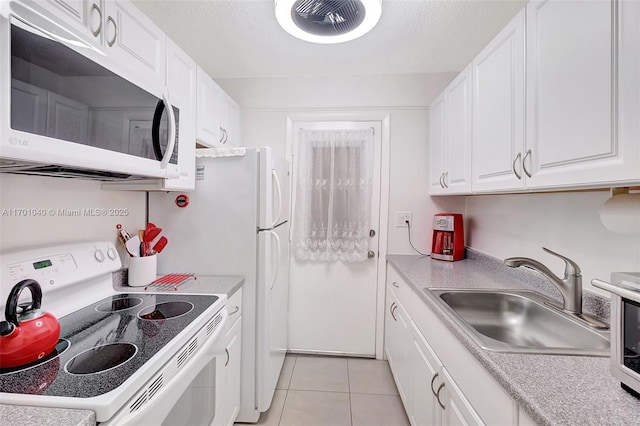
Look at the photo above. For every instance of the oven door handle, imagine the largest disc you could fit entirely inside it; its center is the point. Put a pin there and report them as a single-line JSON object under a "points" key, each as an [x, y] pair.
{"points": [[155, 410], [619, 291]]}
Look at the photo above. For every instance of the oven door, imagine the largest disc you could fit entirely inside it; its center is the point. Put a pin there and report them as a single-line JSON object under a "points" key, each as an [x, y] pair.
{"points": [[66, 103], [185, 399]]}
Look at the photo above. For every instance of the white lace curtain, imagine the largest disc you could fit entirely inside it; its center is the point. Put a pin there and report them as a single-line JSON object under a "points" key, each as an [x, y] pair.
{"points": [[333, 195]]}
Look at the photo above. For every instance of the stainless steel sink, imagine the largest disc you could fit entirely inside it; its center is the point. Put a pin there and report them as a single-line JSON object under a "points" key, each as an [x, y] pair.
{"points": [[520, 321]]}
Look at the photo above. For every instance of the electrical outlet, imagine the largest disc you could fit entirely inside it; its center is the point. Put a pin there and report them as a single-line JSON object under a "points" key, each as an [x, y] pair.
{"points": [[401, 218]]}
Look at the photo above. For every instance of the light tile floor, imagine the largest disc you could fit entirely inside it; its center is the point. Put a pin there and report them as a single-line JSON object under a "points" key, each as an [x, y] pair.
{"points": [[331, 391]]}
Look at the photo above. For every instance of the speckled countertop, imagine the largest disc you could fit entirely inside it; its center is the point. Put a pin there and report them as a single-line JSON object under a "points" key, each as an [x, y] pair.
{"points": [[37, 416], [204, 284], [552, 389]]}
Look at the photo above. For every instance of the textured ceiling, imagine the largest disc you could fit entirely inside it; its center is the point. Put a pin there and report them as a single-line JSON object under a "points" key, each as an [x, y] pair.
{"points": [[241, 38]]}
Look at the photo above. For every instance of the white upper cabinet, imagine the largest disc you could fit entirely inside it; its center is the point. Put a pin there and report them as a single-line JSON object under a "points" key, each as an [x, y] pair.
{"points": [[210, 100], [181, 84], [218, 114], [450, 138], [629, 89], [232, 125], [498, 111], [570, 129], [115, 26], [457, 174], [437, 144], [129, 35]]}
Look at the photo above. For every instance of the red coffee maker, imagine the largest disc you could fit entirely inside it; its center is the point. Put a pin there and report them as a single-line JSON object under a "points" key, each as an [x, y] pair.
{"points": [[448, 237]]}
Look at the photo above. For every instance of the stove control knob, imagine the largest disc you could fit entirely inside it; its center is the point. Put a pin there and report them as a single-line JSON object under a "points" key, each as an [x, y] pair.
{"points": [[99, 255], [111, 253]]}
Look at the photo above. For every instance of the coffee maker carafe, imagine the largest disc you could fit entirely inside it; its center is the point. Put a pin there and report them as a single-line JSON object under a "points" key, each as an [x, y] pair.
{"points": [[448, 237]]}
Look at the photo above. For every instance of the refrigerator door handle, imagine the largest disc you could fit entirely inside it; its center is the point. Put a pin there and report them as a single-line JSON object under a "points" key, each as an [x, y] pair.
{"points": [[276, 182], [277, 268]]}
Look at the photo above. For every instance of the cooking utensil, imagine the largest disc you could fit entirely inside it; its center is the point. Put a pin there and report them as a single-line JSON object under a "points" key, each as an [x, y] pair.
{"points": [[133, 246], [151, 232], [160, 245], [28, 334]]}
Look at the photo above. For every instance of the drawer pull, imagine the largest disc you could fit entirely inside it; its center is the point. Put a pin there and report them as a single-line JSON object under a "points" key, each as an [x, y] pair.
{"points": [[395, 284], [235, 310], [228, 357]]}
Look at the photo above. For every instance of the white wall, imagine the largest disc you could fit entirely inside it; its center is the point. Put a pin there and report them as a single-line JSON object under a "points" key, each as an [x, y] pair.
{"points": [[266, 104], [35, 192], [567, 223]]}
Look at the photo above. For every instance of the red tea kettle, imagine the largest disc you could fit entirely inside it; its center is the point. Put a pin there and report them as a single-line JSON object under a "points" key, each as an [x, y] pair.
{"points": [[30, 334]]}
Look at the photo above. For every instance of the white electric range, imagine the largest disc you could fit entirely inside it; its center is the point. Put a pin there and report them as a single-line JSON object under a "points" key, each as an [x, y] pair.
{"points": [[131, 358]]}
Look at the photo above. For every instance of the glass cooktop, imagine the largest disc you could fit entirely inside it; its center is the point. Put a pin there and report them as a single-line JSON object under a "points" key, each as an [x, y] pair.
{"points": [[103, 344]]}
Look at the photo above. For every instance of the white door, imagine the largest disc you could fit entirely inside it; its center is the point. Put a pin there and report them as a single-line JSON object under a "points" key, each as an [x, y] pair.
{"points": [[457, 172], [437, 144], [333, 304]]}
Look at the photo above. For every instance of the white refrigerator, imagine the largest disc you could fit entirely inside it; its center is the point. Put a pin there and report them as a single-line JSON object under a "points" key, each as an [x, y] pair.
{"points": [[237, 223]]}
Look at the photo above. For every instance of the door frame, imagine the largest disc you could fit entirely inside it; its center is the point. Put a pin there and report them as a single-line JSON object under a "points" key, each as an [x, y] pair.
{"points": [[384, 118]]}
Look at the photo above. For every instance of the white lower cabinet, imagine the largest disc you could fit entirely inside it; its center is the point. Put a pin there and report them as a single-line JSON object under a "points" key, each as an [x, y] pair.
{"points": [[397, 344], [426, 370], [439, 380], [228, 367]]}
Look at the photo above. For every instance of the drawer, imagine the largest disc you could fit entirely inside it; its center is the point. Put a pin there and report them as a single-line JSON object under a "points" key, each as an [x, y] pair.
{"points": [[234, 306], [400, 288]]}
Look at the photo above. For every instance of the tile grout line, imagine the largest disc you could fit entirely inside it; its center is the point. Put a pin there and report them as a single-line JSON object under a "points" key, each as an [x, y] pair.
{"points": [[286, 395]]}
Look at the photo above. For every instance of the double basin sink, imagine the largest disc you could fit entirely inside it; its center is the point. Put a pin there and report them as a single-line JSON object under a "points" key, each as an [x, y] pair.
{"points": [[520, 321]]}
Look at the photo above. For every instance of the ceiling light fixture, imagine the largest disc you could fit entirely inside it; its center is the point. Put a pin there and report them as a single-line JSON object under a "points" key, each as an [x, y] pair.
{"points": [[328, 21]]}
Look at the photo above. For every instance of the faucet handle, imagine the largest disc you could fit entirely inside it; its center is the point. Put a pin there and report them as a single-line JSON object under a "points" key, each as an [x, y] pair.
{"points": [[571, 268]]}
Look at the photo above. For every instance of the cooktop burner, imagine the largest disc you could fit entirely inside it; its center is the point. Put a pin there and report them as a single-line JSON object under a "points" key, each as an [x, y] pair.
{"points": [[119, 304], [165, 310], [63, 345], [104, 349], [101, 358]]}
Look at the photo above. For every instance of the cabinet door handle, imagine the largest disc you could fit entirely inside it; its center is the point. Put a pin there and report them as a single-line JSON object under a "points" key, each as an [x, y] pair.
{"points": [[235, 310], [97, 9], [433, 379], [115, 31], [391, 311], [524, 162], [228, 357], [444, 179], [438, 395], [395, 284], [513, 166], [441, 184], [224, 136]]}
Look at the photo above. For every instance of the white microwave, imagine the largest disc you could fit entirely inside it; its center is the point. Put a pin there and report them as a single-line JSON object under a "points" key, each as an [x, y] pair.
{"points": [[65, 110], [625, 328]]}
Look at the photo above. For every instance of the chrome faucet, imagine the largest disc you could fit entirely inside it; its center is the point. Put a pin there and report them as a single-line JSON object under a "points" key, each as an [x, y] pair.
{"points": [[570, 285]]}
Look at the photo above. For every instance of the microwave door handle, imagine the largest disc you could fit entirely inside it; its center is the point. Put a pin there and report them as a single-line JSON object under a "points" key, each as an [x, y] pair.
{"points": [[278, 189], [171, 134], [619, 291], [155, 132]]}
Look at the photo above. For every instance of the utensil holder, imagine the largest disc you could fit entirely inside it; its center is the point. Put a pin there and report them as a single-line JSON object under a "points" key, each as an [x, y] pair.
{"points": [[142, 270]]}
